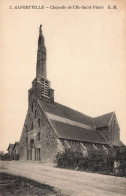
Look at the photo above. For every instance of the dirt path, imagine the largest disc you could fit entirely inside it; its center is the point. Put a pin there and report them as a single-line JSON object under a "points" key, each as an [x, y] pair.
{"points": [[69, 182]]}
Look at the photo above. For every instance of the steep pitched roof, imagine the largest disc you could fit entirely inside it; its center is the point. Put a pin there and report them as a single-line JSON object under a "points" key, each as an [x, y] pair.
{"points": [[77, 132], [10, 147], [63, 111], [67, 131], [16, 144], [103, 120]]}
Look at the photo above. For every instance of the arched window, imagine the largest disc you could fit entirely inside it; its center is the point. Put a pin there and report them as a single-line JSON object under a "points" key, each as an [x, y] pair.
{"points": [[32, 126], [39, 122], [39, 136], [35, 113]]}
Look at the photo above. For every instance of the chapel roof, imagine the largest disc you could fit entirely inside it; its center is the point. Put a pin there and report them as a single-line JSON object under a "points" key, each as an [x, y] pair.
{"points": [[76, 132], [67, 131], [66, 112]]}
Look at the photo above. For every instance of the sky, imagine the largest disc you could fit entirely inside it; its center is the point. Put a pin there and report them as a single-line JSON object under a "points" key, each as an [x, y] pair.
{"points": [[86, 59]]}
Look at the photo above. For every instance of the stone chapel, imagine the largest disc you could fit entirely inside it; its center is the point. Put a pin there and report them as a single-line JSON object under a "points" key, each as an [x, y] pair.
{"points": [[50, 127]]}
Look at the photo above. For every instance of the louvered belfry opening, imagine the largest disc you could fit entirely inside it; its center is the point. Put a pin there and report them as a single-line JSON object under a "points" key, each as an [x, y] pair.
{"points": [[45, 87]]}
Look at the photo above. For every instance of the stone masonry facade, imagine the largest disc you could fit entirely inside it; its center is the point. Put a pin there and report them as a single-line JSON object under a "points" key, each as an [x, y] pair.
{"points": [[38, 137]]}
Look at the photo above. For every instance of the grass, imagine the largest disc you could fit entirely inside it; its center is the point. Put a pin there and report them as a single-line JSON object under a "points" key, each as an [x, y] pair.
{"points": [[20, 186]]}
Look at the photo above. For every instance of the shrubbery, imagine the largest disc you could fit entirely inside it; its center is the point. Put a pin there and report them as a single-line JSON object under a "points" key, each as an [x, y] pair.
{"points": [[7, 157], [97, 161]]}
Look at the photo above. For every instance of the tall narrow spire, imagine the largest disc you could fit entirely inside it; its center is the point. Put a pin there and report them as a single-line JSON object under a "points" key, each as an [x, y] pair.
{"points": [[41, 55], [41, 89]]}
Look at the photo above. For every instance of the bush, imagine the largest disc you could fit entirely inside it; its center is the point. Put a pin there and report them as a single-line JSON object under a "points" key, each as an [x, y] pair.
{"points": [[6, 157], [97, 161]]}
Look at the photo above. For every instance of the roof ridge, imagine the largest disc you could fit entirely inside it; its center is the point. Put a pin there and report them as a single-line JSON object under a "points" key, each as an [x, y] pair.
{"points": [[103, 115], [69, 121]]}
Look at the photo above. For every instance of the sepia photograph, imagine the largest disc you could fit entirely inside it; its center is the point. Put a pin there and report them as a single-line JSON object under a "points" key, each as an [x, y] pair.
{"points": [[63, 98]]}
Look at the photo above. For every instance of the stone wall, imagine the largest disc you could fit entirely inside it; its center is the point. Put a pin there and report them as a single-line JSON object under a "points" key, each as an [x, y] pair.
{"points": [[37, 123]]}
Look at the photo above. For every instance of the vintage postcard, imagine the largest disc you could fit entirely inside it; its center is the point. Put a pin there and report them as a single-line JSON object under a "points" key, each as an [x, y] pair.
{"points": [[63, 97]]}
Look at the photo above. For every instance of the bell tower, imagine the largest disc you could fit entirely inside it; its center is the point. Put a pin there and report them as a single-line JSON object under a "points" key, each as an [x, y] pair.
{"points": [[41, 85]]}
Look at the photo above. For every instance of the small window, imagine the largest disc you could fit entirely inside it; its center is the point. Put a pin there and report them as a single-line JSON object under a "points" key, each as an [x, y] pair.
{"points": [[39, 136], [39, 122], [114, 122]]}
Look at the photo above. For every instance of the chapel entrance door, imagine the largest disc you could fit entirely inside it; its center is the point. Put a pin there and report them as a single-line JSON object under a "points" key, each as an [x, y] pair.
{"points": [[38, 152], [32, 150]]}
